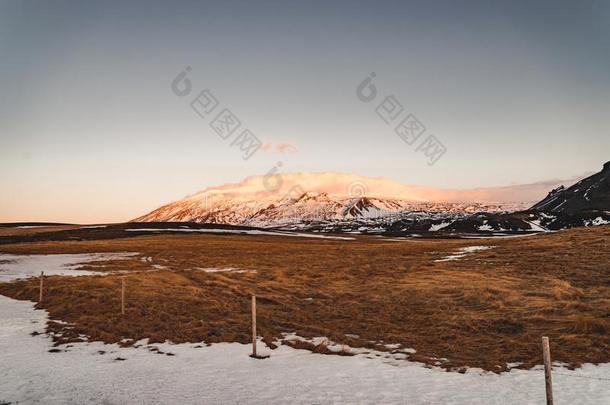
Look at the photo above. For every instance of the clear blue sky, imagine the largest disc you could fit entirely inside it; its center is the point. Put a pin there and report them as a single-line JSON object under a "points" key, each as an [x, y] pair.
{"points": [[90, 130]]}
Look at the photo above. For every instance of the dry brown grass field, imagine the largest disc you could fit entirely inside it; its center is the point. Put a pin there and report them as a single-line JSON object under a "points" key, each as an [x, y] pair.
{"points": [[485, 310]]}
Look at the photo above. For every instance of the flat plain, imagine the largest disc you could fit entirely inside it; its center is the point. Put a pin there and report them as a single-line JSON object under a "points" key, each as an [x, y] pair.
{"points": [[458, 303]]}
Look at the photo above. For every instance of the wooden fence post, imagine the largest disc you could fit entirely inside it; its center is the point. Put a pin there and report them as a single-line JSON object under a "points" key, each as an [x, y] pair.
{"points": [[41, 286], [254, 326], [123, 295], [546, 356]]}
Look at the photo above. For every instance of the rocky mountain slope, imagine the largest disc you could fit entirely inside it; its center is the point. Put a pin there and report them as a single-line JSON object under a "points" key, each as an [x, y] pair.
{"points": [[590, 194]]}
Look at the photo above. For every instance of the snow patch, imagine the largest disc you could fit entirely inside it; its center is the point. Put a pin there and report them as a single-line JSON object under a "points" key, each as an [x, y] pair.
{"points": [[13, 267], [485, 227], [597, 221], [535, 225], [438, 227], [223, 270], [462, 252]]}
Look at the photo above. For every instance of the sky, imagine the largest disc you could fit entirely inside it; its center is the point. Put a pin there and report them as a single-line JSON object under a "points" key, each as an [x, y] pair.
{"points": [[92, 129]]}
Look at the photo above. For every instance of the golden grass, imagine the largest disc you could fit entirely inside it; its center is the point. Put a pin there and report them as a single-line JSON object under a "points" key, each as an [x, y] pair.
{"points": [[485, 310]]}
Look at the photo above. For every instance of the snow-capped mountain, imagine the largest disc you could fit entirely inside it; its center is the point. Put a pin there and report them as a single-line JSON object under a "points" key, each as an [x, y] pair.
{"points": [[307, 207], [315, 198], [333, 202]]}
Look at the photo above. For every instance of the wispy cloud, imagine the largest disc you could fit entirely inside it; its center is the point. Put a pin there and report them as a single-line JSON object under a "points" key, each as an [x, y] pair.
{"points": [[252, 188], [279, 148]]}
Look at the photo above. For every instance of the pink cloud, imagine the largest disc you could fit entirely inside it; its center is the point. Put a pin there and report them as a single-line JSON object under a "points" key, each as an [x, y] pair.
{"points": [[279, 147], [285, 148], [253, 187]]}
